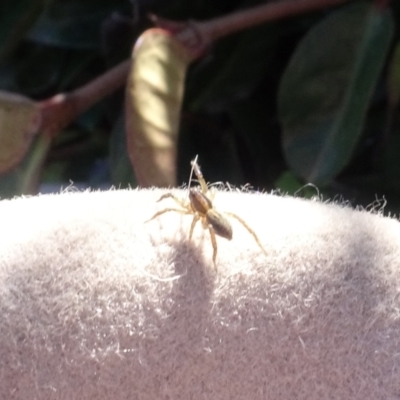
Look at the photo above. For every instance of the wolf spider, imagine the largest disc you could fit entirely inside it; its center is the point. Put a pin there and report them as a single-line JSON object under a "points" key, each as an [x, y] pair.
{"points": [[201, 207]]}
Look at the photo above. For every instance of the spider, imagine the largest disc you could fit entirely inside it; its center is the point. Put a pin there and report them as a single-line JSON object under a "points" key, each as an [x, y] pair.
{"points": [[201, 207]]}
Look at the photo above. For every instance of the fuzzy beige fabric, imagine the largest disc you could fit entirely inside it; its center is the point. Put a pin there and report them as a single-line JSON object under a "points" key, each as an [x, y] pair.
{"points": [[96, 304]]}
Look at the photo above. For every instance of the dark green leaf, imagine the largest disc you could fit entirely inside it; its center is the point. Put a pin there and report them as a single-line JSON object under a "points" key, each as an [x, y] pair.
{"points": [[39, 70], [238, 65], [74, 23], [259, 140], [73, 66], [288, 183], [327, 87], [391, 164], [394, 77], [36, 69], [16, 17]]}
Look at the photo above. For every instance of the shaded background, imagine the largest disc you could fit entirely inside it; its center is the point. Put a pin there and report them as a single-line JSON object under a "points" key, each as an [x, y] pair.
{"points": [[244, 109]]}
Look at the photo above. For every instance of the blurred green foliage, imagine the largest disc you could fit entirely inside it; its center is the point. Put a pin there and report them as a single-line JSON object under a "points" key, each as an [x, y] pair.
{"points": [[304, 99]]}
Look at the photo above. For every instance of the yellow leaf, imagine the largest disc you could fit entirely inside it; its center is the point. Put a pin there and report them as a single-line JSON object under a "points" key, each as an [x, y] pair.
{"points": [[19, 123], [153, 106]]}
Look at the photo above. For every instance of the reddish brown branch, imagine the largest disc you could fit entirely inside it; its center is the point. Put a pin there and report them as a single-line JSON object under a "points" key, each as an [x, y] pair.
{"points": [[196, 36], [229, 24], [101, 87], [60, 110]]}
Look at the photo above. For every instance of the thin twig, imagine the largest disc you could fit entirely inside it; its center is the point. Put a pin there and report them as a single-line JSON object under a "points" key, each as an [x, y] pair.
{"points": [[220, 27], [60, 110], [101, 87], [197, 36]]}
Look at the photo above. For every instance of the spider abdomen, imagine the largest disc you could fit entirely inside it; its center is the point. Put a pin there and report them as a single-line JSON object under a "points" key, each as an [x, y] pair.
{"points": [[220, 225]]}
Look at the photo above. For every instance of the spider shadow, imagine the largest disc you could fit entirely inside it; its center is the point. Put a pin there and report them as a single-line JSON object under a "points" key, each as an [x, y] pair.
{"points": [[182, 334], [197, 271]]}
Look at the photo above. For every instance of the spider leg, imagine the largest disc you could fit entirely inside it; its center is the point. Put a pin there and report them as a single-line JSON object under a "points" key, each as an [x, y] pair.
{"points": [[211, 194], [175, 198], [194, 222], [214, 244], [200, 177], [248, 229], [157, 214], [203, 185]]}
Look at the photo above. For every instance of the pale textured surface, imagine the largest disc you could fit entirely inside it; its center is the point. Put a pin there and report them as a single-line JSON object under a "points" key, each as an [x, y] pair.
{"points": [[97, 305]]}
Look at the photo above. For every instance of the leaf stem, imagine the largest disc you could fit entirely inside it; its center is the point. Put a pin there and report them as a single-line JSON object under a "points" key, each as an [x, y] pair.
{"points": [[31, 177], [240, 20]]}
